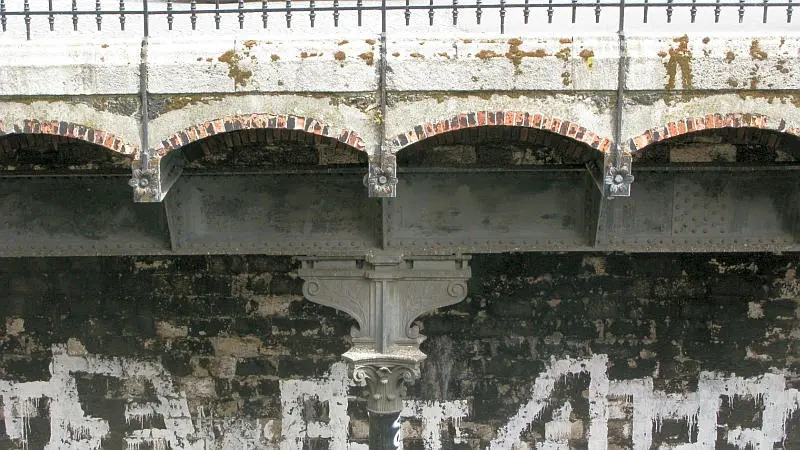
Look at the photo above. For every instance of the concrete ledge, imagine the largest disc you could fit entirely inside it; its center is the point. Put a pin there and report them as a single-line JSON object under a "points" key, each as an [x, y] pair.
{"points": [[258, 65], [714, 62], [504, 63], [69, 68]]}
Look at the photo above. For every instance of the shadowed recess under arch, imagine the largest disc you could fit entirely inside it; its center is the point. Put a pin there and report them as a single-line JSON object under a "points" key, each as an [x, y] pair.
{"points": [[519, 119], [72, 130], [709, 122], [297, 128], [496, 146], [728, 139], [27, 153]]}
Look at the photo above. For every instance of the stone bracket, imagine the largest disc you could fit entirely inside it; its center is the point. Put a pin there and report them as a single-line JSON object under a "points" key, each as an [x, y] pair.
{"points": [[154, 176], [617, 174], [385, 292], [381, 180]]}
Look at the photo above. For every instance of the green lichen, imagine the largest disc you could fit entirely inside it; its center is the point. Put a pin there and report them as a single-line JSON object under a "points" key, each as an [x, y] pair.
{"points": [[756, 52], [239, 76], [177, 102], [680, 58]]}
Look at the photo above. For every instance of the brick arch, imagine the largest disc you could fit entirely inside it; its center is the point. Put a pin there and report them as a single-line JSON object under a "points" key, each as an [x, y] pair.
{"points": [[258, 121], [709, 122], [551, 124], [72, 130]]}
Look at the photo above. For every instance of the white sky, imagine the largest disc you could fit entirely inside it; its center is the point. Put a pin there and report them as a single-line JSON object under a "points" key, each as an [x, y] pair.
{"points": [[490, 23]]}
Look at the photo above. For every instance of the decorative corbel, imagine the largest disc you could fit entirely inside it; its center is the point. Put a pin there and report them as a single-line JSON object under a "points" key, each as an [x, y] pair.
{"points": [[617, 175], [154, 176], [381, 180], [385, 293]]}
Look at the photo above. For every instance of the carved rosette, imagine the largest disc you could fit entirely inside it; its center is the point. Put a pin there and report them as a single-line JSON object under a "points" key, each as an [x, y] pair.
{"points": [[385, 381], [381, 180], [145, 184], [618, 177]]}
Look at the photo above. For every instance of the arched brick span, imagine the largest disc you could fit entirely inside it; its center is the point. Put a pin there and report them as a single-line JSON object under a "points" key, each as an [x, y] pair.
{"points": [[709, 122], [503, 118], [74, 131], [258, 121]]}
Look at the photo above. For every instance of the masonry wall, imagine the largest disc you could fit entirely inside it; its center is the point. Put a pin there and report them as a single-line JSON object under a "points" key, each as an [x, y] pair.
{"points": [[548, 351]]}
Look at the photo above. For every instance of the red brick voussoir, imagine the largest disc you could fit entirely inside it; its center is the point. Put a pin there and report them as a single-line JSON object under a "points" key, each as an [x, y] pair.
{"points": [[75, 131], [503, 118], [258, 121], [709, 122]]}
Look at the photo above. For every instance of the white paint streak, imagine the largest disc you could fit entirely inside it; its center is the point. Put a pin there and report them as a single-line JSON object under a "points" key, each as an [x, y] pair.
{"points": [[434, 416], [72, 429], [509, 435]]}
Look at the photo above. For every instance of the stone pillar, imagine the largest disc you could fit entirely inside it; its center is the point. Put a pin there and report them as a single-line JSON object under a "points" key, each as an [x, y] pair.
{"points": [[385, 293]]}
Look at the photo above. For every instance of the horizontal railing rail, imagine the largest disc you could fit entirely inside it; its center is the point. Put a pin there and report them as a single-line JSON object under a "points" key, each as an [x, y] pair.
{"points": [[392, 12]]}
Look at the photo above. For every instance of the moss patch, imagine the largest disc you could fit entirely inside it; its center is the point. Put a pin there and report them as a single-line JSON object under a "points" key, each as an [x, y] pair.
{"points": [[588, 56], [368, 58], [239, 76], [680, 58], [756, 52]]}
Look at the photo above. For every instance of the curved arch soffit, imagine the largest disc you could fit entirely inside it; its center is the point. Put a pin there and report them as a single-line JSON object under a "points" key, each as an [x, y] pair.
{"points": [[256, 122], [708, 122], [542, 122], [72, 130]]}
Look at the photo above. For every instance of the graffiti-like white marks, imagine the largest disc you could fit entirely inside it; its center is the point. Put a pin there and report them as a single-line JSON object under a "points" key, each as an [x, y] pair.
{"points": [[305, 418], [295, 394], [700, 409], [509, 435], [434, 415], [71, 428]]}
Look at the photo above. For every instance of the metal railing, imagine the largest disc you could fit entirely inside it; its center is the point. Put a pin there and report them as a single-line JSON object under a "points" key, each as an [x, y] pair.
{"points": [[240, 13]]}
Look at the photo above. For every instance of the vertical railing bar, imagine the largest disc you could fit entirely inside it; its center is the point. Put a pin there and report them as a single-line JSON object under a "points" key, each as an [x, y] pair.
{"points": [[51, 19], [336, 13], [455, 12], [407, 12], [789, 12], [27, 8], [645, 10], [549, 11], [693, 11], [99, 18], [716, 12], [597, 12], [430, 14], [241, 14], [3, 18], [217, 17], [146, 24], [75, 15], [193, 16], [669, 11], [764, 17], [359, 6], [312, 15], [288, 13], [502, 16], [741, 11], [479, 12], [526, 13], [170, 17], [574, 10], [122, 15]]}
